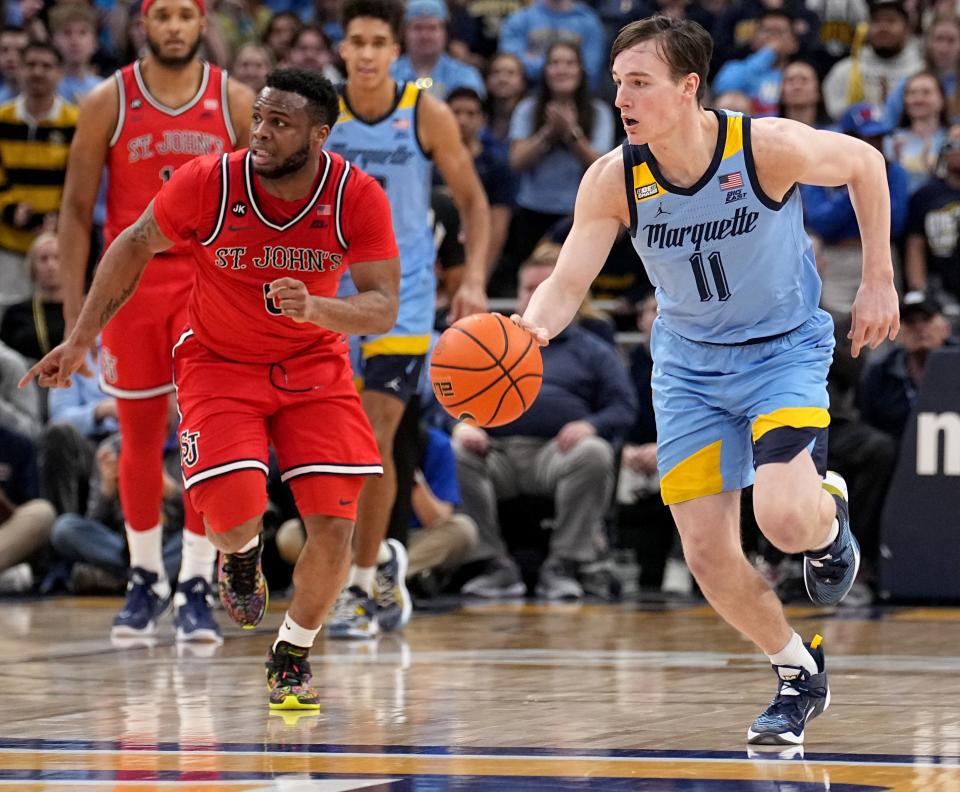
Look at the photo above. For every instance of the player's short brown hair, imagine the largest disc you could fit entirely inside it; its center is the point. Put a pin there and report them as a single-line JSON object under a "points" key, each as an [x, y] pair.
{"points": [[682, 44]]}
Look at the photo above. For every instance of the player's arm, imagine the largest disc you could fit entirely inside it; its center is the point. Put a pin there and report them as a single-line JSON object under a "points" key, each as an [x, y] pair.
{"points": [[600, 210], [440, 134], [88, 153], [787, 152], [116, 280], [240, 106]]}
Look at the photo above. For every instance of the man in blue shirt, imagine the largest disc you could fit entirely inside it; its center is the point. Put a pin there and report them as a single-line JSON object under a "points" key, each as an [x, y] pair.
{"points": [[425, 60]]}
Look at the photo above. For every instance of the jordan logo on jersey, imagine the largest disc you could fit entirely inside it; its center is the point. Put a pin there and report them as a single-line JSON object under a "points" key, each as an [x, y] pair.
{"points": [[174, 141], [662, 235]]}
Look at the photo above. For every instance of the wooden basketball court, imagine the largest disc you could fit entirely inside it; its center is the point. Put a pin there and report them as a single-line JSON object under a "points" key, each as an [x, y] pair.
{"points": [[483, 697]]}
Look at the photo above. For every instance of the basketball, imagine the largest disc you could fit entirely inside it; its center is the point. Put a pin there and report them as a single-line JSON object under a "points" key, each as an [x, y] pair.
{"points": [[485, 370]]}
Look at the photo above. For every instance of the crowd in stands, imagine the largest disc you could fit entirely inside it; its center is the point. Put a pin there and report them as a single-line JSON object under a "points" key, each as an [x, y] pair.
{"points": [[528, 83]]}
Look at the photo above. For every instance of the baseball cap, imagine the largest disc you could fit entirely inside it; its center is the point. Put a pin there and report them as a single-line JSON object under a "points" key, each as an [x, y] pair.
{"points": [[865, 120], [426, 8], [919, 303], [892, 5]]}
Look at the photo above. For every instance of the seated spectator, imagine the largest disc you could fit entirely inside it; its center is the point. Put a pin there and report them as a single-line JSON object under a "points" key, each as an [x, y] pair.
{"points": [[280, 34], [425, 60], [829, 214], [554, 137], [921, 129], [888, 56], [933, 239], [562, 447], [737, 24], [311, 49], [25, 520], [74, 33], [891, 382], [35, 326], [800, 96], [942, 58], [531, 33], [760, 74], [490, 158], [506, 86], [94, 543], [19, 408], [251, 65], [13, 41]]}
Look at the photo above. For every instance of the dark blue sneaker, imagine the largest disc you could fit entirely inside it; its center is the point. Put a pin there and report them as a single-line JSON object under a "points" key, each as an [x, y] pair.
{"points": [[143, 606], [193, 618], [800, 698], [394, 606], [353, 617], [829, 573]]}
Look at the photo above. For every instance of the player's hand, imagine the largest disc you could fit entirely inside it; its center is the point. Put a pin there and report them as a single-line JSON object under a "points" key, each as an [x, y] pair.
{"points": [[292, 298], [57, 366], [875, 316], [470, 299], [472, 438], [640, 458], [539, 333], [572, 433]]}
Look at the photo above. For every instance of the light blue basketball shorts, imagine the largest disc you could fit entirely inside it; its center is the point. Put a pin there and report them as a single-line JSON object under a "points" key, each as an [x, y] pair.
{"points": [[723, 410]]}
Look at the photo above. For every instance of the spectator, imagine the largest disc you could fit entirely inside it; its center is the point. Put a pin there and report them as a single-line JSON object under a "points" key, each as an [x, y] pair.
{"points": [[241, 22], [736, 27], [491, 160], [838, 26], [34, 327], [921, 129], [531, 32], [425, 60], [563, 447], [74, 34], [736, 101], [251, 65], [891, 382], [476, 26], [19, 409], [942, 56], [326, 16], [311, 49], [829, 214], [554, 137], [35, 133], [759, 75], [800, 96], [280, 34], [874, 67], [506, 86], [13, 41]]}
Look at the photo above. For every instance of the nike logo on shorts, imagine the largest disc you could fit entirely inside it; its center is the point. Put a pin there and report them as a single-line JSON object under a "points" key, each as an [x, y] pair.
{"points": [[345, 502]]}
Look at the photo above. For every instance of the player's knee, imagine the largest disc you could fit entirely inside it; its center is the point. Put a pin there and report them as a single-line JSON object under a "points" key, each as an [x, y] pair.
{"points": [[231, 506], [786, 523]]}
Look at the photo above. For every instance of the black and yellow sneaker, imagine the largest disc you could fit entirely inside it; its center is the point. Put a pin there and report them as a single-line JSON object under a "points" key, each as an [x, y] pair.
{"points": [[288, 679]]}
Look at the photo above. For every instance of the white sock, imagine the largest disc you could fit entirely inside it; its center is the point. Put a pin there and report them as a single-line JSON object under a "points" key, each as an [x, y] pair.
{"points": [[363, 577], [795, 654], [146, 549], [249, 545], [293, 633], [197, 558], [833, 533], [383, 553]]}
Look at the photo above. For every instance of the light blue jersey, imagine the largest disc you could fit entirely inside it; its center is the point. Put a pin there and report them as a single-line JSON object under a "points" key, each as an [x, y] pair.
{"points": [[389, 150], [729, 263]]}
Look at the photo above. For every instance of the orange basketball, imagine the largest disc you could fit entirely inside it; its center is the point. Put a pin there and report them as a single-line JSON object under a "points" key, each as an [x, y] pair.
{"points": [[485, 370]]}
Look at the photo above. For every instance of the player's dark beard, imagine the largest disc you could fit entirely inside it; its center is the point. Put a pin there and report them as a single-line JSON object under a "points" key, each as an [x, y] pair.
{"points": [[173, 62], [291, 164]]}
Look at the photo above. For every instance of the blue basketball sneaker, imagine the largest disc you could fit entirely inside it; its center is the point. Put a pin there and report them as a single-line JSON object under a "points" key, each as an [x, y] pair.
{"points": [[394, 606], [829, 573], [192, 618], [354, 616], [144, 606], [801, 696]]}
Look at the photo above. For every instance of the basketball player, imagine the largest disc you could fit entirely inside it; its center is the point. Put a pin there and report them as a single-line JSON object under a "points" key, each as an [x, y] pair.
{"points": [[263, 358], [740, 348], [398, 133], [150, 118]]}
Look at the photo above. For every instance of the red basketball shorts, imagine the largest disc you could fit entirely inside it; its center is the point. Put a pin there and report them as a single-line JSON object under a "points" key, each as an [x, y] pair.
{"points": [[307, 407], [135, 356]]}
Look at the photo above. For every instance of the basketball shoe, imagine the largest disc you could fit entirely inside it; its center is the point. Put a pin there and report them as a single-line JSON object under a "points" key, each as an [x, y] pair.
{"points": [[829, 573], [143, 606], [801, 696], [354, 616], [394, 606], [192, 617], [243, 588], [288, 678]]}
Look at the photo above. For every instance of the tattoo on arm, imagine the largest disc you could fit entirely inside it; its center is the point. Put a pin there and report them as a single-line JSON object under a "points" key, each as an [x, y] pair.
{"points": [[114, 303], [144, 229]]}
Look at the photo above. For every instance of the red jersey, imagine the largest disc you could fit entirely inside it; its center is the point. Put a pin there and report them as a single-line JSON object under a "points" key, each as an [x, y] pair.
{"points": [[242, 239], [152, 140]]}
